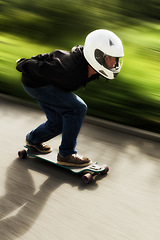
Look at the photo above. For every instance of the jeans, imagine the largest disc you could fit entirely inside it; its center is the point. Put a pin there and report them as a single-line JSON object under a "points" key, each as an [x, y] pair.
{"points": [[65, 113]]}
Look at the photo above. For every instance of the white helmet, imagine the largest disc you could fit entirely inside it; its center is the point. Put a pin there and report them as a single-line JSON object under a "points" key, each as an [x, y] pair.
{"points": [[99, 44]]}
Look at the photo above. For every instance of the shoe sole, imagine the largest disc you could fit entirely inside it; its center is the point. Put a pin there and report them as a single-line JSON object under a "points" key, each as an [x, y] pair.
{"points": [[41, 151], [74, 164]]}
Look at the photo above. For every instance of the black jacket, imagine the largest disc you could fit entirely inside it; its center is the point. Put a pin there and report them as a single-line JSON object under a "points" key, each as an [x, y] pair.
{"points": [[65, 70]]}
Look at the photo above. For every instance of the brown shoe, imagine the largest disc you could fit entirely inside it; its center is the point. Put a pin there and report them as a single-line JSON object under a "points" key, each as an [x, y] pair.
{"points": [[42, 147], [73, 160]]}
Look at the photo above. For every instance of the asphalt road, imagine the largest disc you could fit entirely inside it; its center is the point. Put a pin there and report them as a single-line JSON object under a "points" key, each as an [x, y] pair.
{"points": [[44, 202]]}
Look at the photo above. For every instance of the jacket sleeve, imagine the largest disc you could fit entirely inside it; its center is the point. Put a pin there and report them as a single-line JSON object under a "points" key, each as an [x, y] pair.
{"points": [[42, 68]]}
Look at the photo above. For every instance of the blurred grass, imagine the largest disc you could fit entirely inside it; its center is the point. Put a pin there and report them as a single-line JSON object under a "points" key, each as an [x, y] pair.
{"points": [[13, 48], [133, 98]]}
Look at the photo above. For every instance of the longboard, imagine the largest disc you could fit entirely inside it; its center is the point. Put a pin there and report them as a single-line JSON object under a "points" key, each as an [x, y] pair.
{"points": [[89, 173]]}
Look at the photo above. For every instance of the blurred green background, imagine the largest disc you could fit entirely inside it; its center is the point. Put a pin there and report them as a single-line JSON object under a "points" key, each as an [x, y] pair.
{"points": [[32, 27]]}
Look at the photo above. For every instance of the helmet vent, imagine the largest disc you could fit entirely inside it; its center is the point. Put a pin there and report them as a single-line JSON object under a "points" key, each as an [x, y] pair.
{"points": [[103, 73], [111, 43]]}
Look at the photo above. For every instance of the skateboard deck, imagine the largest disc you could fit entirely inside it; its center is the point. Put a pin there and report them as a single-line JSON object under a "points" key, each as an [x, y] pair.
{"points": [[90, 171]]}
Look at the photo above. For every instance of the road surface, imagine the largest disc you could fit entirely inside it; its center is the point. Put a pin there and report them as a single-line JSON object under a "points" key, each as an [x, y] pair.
{"points": [[44, 202]]}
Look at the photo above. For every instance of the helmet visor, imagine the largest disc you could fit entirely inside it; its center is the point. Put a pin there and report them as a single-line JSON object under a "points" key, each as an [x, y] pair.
{"points": [[111, 64]]}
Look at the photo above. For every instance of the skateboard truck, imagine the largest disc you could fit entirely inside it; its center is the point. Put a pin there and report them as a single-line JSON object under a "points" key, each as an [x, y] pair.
{"points": [[91, 175]]}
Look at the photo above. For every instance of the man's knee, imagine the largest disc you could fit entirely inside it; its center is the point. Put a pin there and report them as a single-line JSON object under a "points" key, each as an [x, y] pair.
{"points": [[83, 108]]}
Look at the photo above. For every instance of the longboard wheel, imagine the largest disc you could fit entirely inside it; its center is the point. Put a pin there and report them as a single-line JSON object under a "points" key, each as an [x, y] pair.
{"points": [[87, 178], [22, 154], [106, 169]]}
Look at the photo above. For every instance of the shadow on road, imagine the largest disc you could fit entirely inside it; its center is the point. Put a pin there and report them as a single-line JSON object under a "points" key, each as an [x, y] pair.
{"points": [[22, 204]]}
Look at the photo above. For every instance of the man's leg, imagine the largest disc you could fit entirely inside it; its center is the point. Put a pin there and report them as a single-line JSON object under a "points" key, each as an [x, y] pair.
{"points": [[65, 113], [72, 122], [71, 111], [51, 128], [47, 130]]}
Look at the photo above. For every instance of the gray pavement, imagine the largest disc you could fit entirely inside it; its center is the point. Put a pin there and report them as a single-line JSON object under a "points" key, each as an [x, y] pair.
{"points": [[41, 201]]}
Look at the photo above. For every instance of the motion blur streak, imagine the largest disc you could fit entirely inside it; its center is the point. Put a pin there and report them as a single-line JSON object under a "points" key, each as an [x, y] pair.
{"points": [[29, 28]]}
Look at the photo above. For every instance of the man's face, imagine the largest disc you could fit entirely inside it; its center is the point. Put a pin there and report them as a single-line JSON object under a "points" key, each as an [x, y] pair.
{"points": [[110, 61]]}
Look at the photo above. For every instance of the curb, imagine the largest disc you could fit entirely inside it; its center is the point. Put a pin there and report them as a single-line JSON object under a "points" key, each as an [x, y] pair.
{"points": [[124, 129], [94, 121]]}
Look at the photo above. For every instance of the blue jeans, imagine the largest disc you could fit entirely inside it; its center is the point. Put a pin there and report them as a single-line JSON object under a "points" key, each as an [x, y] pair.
{"points": [[65, 113]]}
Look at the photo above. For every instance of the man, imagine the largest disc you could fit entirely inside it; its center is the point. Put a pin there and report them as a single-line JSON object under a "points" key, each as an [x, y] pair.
{"points": [[51, 78]]}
